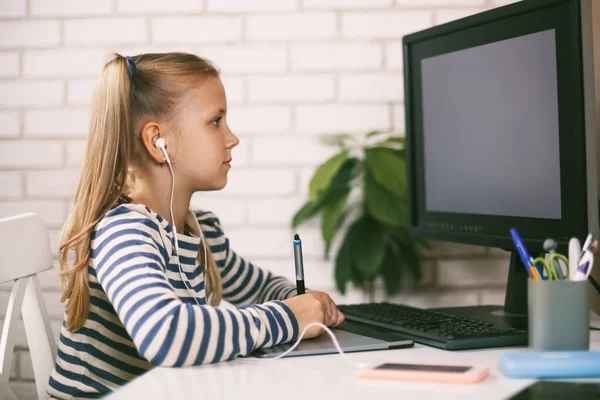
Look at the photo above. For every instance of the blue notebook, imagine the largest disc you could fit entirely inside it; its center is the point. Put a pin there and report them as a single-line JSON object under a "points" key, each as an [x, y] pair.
{"points": [[550, 364]]}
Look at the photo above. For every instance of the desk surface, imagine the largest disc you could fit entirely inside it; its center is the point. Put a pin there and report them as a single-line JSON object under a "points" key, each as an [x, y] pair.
{"points": [[325, 377]]}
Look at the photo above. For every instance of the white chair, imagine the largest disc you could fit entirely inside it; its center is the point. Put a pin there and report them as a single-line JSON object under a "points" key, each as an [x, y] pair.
{"points": [[25, 252]]}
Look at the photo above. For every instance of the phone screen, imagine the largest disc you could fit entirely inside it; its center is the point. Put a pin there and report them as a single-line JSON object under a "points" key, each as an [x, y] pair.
{"points": [[424, 368]]}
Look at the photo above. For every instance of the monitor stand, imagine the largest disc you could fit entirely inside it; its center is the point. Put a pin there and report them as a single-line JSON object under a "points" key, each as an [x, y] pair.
{"points": [[514, 311]]}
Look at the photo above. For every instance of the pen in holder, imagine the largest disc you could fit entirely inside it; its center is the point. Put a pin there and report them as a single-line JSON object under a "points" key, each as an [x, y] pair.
{"points": [[558, 315]]}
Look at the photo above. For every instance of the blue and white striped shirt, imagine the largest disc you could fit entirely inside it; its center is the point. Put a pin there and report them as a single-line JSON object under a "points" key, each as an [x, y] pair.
{"points": [[141, 314]]}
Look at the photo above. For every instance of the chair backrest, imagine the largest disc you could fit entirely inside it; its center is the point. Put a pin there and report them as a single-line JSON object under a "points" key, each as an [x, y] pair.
{"points": [[25, 249]]}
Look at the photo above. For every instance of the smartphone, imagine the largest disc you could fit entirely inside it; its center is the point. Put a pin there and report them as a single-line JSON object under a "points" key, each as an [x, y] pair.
{"points": [[426, 372]]}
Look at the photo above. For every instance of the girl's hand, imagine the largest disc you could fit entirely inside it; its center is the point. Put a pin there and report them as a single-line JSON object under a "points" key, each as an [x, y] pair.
{"points": [[314, 306]]}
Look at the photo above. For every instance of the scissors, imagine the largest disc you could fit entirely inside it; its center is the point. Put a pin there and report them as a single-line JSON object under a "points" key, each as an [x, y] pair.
{"points": [[549, 266]]}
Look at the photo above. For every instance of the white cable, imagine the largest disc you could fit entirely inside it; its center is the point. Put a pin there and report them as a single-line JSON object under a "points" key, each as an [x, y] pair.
{"points": [[181, 275], [331, 335]]}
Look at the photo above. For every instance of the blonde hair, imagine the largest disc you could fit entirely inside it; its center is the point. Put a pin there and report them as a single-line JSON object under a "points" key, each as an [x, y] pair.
{"points": [[121, 103]]}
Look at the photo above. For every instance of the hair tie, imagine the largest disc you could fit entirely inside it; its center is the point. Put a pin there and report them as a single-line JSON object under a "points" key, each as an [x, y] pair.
{"points": [[132, 67]]}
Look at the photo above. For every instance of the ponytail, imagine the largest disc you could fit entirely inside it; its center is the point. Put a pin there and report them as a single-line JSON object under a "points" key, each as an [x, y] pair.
{"points": [[102, 180]]}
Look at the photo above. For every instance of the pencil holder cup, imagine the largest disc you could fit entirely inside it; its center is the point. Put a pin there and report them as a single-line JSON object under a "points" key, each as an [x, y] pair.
{"points": [[558, 315]]}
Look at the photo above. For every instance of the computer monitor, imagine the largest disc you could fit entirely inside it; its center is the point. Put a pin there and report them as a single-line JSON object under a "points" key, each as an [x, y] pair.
{"points": [[502, 129]]}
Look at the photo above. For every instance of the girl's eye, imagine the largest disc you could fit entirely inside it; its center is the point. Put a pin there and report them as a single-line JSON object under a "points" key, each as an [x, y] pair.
{"points": [[217, 121]]}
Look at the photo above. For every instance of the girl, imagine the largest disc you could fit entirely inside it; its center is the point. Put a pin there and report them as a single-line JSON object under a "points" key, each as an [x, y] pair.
{"points": [[147, 273]]}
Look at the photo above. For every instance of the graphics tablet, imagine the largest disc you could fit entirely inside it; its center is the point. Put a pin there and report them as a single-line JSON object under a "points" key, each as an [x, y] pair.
{"points": [[352, 337]]}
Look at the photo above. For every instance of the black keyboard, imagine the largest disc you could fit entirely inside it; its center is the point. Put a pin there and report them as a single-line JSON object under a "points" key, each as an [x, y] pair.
{"points": [[434, 328]]}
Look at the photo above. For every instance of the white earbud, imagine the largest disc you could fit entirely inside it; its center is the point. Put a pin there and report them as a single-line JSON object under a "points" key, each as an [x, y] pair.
{"points": [[160, 143]]}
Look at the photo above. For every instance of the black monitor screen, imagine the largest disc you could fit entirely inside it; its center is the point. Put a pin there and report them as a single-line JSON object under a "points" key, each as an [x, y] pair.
{"points": [[490, 128], [495, 132]]}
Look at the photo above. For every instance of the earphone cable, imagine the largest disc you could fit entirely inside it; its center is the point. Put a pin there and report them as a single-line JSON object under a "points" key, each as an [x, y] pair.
{"points": [[185, 282]]}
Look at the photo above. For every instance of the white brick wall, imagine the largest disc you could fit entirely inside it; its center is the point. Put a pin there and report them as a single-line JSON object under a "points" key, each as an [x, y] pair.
{"points": [[346, 4], [75, 152], [340, 56], [49, 184], [289, 151], [159, 6], [441, 3], [398, 116], [292, 26], [261, 182], [24, 34], [293, 69], [384, 25], [243, 6], [393, 56], [69, 8], [11, 184], [318, 119], [272, 211], [64, 122], [259, 120], [88, 31], [441, 17], [244, 59], [30, 154], [31, 93], [9, 64], [294, 88], [67, 63], [80, 91], [379, 88], [196, 29], [16, 8], [235, 88], [9, 124]]}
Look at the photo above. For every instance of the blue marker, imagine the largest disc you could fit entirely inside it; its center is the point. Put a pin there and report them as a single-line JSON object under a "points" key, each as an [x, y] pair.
{"points": [[525, 257]]}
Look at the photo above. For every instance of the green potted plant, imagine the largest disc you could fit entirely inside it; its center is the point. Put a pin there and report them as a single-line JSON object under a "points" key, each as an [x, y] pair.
{"points": [[361, 191]]}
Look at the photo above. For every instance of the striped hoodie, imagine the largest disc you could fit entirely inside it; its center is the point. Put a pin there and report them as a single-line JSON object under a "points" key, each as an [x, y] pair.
{"points": [[141, 314]]}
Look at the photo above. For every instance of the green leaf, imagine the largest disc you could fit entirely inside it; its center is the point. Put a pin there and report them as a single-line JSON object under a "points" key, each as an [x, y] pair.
{"points": [[346, 211], [408, 249], [423, 243], [383, 205], [373, 133], [410, 258], [392, 140], [391, 269], [325, 173], [388, 169], [368, 247], [399, 233], [343, 263], [400, 153], [340, 183], [345, 214], [332, 212], [356, 277], [308, 210]]}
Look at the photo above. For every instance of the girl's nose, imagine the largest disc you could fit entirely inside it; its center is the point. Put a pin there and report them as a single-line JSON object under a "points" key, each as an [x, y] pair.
{"points": [[233, 140]]}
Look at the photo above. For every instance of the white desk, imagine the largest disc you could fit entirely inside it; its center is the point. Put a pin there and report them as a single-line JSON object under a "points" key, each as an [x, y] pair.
{"points": [[324, 377]]}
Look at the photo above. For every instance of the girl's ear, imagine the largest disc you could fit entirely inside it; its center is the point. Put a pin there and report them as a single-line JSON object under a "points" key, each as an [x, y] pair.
{"points": [[150, 133]]}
